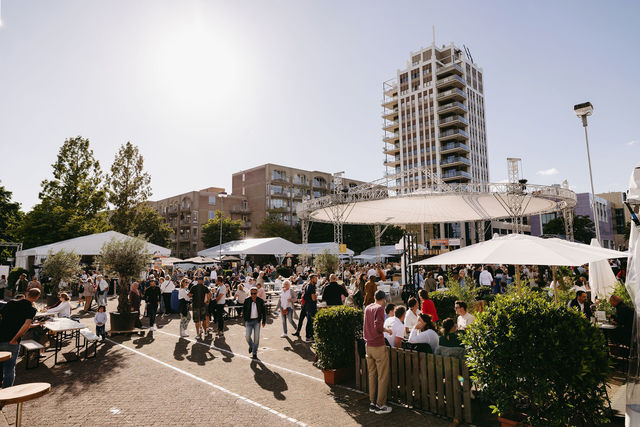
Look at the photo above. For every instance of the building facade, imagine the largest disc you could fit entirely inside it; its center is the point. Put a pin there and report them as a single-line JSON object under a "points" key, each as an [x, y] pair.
{"points": [[620, 217], [187, 213], [278, 190], [433, 113]]}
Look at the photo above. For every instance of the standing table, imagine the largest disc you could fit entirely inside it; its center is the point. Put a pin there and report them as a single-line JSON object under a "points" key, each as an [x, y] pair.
{"points": [[22, 393], [5, 355], [60, 325]]}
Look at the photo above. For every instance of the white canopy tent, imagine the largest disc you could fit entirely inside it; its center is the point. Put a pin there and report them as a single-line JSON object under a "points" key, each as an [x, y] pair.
{"points": [[521, 249], [601, 278], [85, 245], [263, 246], [318, 248], [385, 250]]}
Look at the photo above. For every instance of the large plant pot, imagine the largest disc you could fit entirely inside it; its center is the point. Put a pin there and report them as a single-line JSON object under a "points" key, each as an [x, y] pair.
{"points": [[51, 300], [123, 321], [338, 376], [508, 422]]}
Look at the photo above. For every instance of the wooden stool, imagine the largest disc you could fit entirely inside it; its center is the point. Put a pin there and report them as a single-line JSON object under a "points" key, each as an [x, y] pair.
{"points": [[22, 393], [5, 355]]}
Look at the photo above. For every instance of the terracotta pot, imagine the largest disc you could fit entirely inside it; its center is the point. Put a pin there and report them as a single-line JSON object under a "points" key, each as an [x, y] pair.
{"points": [[506, 422], [337, 376], [123, 322]]}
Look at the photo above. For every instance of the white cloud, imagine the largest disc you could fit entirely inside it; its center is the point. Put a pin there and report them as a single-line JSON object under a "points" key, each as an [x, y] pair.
{"points": [[552, 171], [630, 143]]}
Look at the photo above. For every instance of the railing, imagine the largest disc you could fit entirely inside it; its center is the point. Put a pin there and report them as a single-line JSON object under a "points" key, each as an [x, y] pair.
{"points": [[240, 209], [449, 160], [456, 173], [453, 132], [449, 79], [453, 119], [436, 384], [455, 91], [449, 68], [453, 145], [451, 105]]}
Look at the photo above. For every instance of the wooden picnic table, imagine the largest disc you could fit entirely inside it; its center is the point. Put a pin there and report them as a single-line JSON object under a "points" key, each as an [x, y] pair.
{"points": [[61, 325], [22, 393]]}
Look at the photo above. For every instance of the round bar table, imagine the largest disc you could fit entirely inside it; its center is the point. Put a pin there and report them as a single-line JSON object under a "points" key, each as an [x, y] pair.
{"points": [[22, 393], [5, 355]]}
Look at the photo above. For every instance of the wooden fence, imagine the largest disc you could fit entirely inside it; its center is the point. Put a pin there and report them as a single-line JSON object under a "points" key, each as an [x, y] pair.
{"points": [[424, 381]]}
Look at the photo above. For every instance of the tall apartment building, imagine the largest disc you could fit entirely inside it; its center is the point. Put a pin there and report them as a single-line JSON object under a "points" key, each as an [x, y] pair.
{"points": [[434, 119], [279, 189], [187, 213]]}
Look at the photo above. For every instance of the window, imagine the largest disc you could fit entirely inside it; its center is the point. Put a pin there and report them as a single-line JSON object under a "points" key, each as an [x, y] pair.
{"points": [[212, 214], [243, 177], [243, 191], [195, 232], [212, 200], [195, 217]]}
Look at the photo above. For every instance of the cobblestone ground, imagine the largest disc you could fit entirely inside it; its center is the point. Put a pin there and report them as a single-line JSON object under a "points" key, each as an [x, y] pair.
{"points": [[159, 378]]}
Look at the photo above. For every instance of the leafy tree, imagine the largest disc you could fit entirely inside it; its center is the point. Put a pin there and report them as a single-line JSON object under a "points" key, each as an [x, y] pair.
{"points": [[230, 230], [10, 219], [149, 224], [72, 203], [127, 258], [273, 227], [356, 237], [128, 187], [61, 266], [326, 262], [583, 228]]}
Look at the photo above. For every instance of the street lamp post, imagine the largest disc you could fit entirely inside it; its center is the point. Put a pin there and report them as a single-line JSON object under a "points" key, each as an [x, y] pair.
{"points": [[583, 110], [222, 196]]}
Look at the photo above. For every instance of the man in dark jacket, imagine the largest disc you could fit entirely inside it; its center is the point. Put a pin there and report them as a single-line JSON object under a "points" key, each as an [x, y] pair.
{"points": [[581, 303], [254, 313], [624, 319]]}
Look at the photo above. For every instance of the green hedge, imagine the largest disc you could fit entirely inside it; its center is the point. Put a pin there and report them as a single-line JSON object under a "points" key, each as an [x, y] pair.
{"points": [[445, 302], [335, 331], [532, 356]]}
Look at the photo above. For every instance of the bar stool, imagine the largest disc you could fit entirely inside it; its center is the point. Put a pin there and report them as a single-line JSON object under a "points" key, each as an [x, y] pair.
{"points": [[22, 393]]}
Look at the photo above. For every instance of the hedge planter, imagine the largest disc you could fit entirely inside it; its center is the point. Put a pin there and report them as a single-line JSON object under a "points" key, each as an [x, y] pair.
{"points": [[337, 376], [508, 422], [123, 322]]}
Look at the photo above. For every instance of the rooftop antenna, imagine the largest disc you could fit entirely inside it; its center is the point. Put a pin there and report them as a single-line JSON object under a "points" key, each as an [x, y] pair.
{"points": [[468, 52], [433, 30]]}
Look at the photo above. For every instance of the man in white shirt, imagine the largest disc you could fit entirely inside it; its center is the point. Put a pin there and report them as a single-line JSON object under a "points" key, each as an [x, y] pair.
{"points": [[396, 325], [485, 278], [413, 312], [214, 274], [103, 288], [464, 318], [167, 287]]}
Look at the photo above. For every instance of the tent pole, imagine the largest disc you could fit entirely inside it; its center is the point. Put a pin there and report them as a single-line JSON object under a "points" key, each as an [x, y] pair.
{"points": [[518, 277], [555, 284]]}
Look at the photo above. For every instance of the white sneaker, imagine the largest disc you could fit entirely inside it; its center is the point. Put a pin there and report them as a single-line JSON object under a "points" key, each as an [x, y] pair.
{"points": [[283, 336], [384, 409], [151, 328], [183, 333]]}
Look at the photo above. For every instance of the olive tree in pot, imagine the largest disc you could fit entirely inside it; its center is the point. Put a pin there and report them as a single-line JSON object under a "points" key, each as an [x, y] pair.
{"points": [[537, 362], [62, 266], [126, 258], [335, 332], [326, 262]]}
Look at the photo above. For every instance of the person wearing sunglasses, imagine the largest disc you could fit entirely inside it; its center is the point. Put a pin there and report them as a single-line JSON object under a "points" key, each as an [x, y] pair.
{"points": [[254, 314]]}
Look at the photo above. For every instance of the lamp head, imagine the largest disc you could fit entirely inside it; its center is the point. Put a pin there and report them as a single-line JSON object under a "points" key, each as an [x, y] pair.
{"points": [[584, 109]]}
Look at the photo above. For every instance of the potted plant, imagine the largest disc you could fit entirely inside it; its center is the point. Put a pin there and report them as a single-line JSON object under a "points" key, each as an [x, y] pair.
{"points": [[326, 262], [335, 331], [126, 258], [537, 362], [61, 266]]}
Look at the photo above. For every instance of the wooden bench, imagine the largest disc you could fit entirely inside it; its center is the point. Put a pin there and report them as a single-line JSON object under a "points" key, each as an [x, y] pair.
{"points": [[31, 350], [89, 339]]}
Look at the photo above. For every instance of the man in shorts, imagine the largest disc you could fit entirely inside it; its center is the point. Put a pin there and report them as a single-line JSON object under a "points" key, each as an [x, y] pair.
{"points": [[200, 297]]}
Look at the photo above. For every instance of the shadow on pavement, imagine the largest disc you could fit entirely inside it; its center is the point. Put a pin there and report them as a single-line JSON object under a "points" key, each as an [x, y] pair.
{"points": [[301, 348], [201, 351], [180, 350], [144, 340], [221, 343], [269, 380]]}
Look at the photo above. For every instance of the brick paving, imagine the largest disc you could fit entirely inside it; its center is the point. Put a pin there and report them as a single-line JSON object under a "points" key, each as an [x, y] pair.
{"points": [[159, 378]]}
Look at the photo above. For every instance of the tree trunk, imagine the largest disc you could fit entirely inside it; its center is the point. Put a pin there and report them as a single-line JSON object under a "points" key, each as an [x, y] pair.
{"points": [[123, 296]]}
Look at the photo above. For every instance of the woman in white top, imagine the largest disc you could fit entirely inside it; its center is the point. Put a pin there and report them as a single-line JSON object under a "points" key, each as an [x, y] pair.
{"points": [[424, 332], [184, 299], [166, 288], [411, 318], [63, 309], [287, 297], [240, 295]]}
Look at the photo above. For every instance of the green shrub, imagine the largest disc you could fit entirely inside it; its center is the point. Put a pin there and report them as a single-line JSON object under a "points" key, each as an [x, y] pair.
{"points": [[445, 302], [531, 356], [335, 332], [227, 273], [13, 277]]}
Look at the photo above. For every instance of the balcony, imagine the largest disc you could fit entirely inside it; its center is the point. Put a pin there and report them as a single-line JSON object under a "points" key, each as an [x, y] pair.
{"points": [[391, 126], [451, 81], [246, 224], [453, 134], [279, 177], [390, 114], [240, 209], [393, 138], [452, 94], [280, 193], [392, 162], [184, 238], [390, 150], [185, 208], [391, 91], [172, 210], [455, 174], [390, 102], [452, 147], [454, 161], [454, 120], [449, 70], [452, 107]]}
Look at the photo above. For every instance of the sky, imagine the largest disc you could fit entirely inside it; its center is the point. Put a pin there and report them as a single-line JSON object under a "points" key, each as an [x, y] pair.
{"points": [[209, 88]]}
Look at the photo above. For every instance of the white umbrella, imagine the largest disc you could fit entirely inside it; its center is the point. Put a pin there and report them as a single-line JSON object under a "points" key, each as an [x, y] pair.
{"points": [[521, 249], [601, 278]]}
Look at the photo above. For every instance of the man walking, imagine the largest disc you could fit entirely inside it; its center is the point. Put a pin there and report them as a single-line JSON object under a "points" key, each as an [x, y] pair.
{"points": [[377, 355], [199, 294], [167, 287], [15, 319], [303, 311], [103, 288], [334, 293], [152, 296], [311, 305], [253, 314]]}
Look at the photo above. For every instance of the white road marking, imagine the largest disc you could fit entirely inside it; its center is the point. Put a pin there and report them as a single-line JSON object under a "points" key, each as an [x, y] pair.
{"points": [[210, 384]]}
